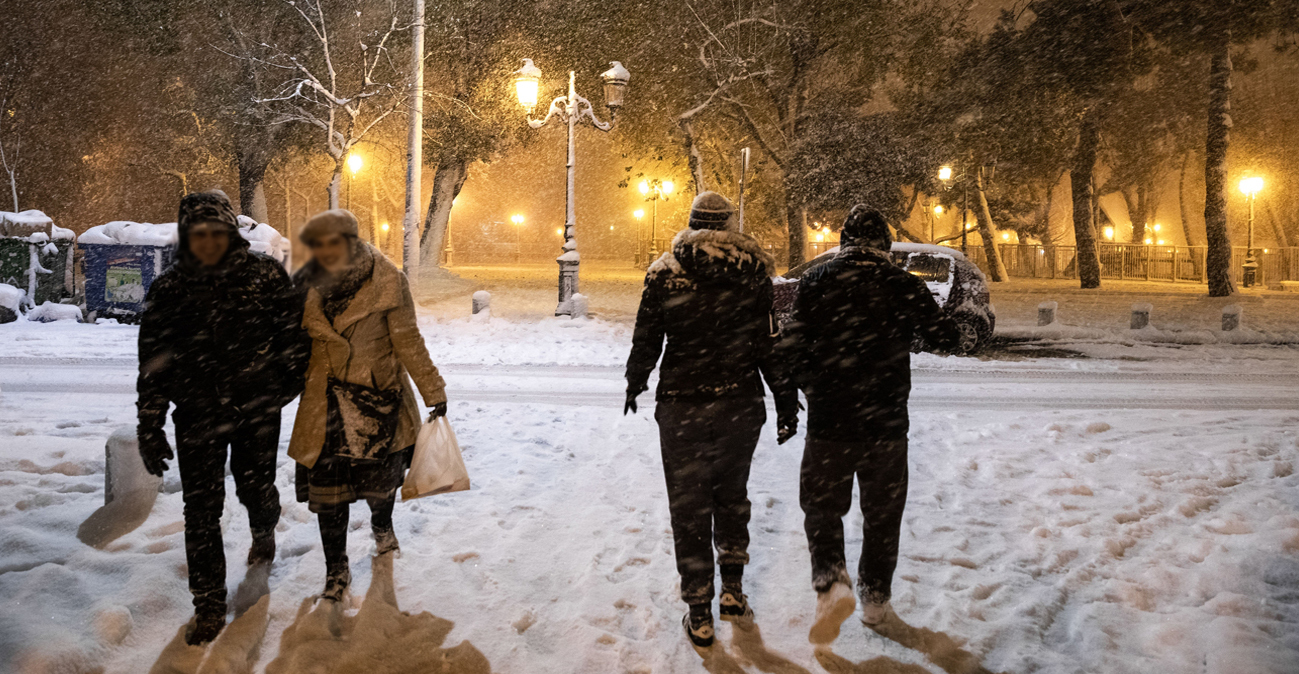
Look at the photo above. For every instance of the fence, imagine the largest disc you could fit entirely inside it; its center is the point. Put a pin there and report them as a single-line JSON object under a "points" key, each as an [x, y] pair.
{"points": [[1129, 262]]}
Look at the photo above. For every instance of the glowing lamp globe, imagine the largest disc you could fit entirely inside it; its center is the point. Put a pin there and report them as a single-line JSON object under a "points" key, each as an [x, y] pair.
{"points": [[354, 163], [945, 173], [615, 84], [643, 187], [668, 186], [527, 83], [1251, 186]]}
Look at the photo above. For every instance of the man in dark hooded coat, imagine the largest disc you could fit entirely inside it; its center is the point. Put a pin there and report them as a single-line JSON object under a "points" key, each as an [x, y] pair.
{"points": [[711, 298], [849, 342], [221, 339]]}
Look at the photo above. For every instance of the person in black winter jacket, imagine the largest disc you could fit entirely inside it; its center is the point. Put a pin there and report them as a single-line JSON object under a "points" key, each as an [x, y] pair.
{"points": [[849, 343], [221, 339], [711, 298]]}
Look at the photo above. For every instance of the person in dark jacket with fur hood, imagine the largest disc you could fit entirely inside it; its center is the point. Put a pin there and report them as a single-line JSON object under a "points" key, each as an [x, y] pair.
{"points": [[221, 339], [711, 298], [849, 341]]}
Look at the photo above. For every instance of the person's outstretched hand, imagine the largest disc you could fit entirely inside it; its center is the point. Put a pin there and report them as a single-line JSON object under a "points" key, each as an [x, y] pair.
{"points": [[154, 450], [438, 410], [787, 409]]}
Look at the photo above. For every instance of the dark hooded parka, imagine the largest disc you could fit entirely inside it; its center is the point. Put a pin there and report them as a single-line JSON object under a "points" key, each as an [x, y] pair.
{"points": [[710, 300], [224, 344]]}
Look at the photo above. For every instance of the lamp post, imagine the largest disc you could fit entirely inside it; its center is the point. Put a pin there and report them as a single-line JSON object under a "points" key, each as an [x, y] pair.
{"points": [[639, 214], [1250, 187], [570, 109], [354, 163], [945, 175], [656, 190], [517, 219]]}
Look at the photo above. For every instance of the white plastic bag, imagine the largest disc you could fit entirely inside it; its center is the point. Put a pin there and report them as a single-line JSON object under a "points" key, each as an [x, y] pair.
{"points": [[437, 467]]}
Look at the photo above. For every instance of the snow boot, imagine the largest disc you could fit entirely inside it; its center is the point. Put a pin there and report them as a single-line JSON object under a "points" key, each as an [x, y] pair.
{"points": [[699, 625], [336, 584], [874, 608], [385, 541], [262, 551], [734, 606], [832, 608], [207, 624]]}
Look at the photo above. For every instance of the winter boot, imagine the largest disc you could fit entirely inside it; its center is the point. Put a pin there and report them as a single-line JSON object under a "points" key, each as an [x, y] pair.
{"points": [[699, 625], [209, 620], [385, 541], [336, 584], [832, 608], [262, 551], [874, 608], [734, 604]]}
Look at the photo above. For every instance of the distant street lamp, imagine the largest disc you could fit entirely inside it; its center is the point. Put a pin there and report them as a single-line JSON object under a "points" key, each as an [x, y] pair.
{"points": [[656, 190], [1250, 187], [570, 109], [354, 164], [517, 219], [945, 175]]}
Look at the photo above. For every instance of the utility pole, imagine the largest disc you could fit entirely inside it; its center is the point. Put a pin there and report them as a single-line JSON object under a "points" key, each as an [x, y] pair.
{"points": [[414, 151]]}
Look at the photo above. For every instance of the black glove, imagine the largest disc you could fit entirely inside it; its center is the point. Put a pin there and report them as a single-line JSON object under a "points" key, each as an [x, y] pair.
{"points": [[438, 410], [632, 392], [787, 409], [154, 450]]}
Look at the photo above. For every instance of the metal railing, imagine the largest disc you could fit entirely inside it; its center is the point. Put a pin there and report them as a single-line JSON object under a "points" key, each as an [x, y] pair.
{"points": [[1135, 262]]}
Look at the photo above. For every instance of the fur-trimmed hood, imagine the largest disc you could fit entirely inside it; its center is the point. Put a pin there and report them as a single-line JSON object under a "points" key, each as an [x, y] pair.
{"points": [[715, 254]]}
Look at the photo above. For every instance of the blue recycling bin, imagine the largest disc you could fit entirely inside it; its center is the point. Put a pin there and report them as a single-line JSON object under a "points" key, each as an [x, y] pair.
{"points": [[118, 278]]}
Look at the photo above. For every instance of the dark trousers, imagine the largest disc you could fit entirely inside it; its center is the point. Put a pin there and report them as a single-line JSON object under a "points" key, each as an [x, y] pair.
{"points": [[707, 449], [202, 435], [333, 529], [825, 493]]}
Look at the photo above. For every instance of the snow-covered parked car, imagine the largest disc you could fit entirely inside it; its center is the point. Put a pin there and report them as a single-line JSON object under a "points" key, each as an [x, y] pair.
{"points": [[956, 284]]}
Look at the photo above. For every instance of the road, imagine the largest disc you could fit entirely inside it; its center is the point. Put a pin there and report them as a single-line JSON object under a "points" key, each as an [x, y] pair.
{"points": [[986, 387]]}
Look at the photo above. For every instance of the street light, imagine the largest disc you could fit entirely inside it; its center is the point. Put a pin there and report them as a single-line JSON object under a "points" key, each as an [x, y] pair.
{"points": [[1250, 187], [354, 163], [1109, 232], [517, 219], [945, 175], [655, 190], [570, 109]]}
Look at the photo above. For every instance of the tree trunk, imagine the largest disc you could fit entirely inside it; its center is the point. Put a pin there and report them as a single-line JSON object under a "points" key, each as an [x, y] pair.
{"points": [[335, 185], [447, 182], [252, 175], [1184, 214], [1135, 214], [1080, 184], [1218, 263], [696, 161], [988, 230], [906, 215], [796, 216]]}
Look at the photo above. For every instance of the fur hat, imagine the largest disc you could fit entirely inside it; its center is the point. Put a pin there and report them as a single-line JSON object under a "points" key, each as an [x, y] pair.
{"points": [[210, 206], [867, 227], [711, 210], [337, 221]]}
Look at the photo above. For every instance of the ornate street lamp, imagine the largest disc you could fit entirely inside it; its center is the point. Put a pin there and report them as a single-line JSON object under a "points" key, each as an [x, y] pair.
{"points": [[354, 164], [656, 190], [570, 109], [1250, 187]]}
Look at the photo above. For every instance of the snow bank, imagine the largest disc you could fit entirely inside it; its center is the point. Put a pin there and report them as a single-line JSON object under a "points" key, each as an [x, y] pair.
{"points": [[11, 297], [50, 312], [25, 224], [265, 239]]}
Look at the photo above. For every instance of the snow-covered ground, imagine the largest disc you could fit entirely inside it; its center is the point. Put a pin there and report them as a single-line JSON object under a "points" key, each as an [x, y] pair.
{"points": [[1130, 512]]}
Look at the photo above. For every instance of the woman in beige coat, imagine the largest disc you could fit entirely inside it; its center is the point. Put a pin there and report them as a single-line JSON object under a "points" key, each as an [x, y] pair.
{"points": [[358, 417]]}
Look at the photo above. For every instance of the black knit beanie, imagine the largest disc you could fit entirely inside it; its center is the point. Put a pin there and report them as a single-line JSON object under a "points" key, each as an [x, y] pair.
{"points": [[210, 206], [866, 226]]}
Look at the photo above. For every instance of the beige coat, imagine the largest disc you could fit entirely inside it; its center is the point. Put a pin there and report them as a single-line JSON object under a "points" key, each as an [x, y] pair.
{"points": [[384, 346]]}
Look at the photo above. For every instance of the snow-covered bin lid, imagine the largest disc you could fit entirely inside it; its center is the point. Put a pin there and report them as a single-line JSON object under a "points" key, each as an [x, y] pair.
{"points": [[265, 239], [25, 224], [127, 233], [903, 247]]}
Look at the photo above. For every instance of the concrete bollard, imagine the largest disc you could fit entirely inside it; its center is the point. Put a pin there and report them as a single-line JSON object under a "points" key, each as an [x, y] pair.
{"points": [[1141, 315], [1046, 313], [581, 306], [1231, 317], [482, 301]]}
